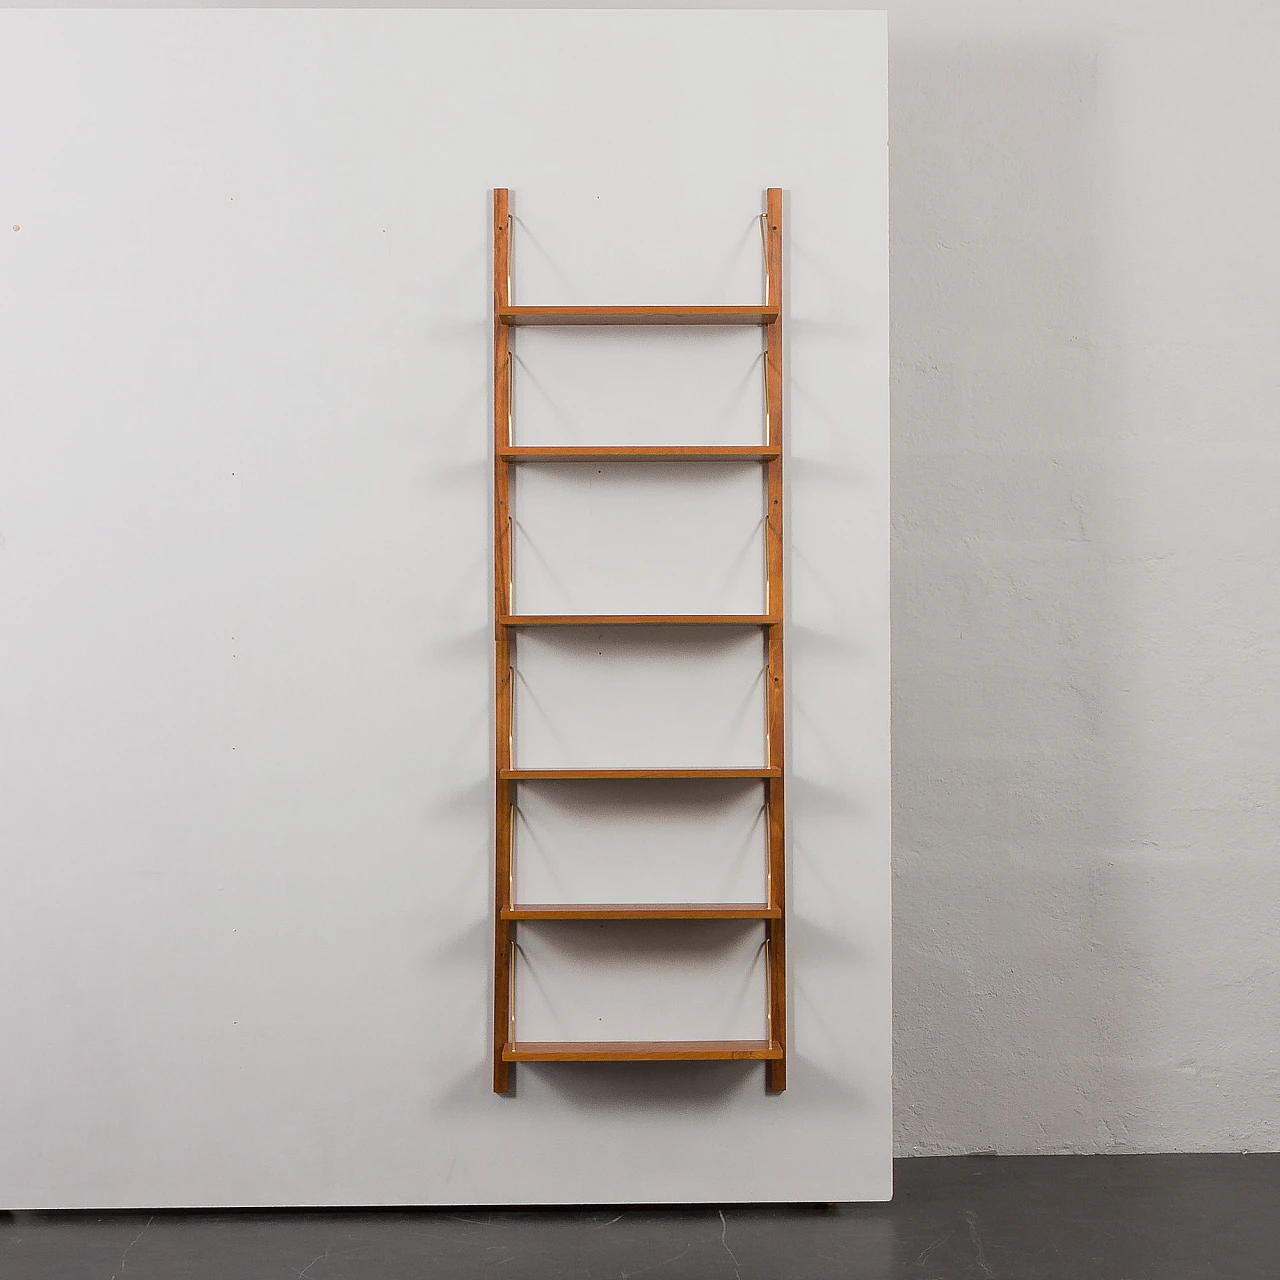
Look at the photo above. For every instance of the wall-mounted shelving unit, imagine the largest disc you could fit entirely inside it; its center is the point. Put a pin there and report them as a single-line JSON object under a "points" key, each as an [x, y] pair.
{"points": [[507, 1047]]}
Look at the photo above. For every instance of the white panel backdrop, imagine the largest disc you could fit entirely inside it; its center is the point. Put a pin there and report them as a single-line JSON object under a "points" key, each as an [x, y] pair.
{"points": [[245, 647]]}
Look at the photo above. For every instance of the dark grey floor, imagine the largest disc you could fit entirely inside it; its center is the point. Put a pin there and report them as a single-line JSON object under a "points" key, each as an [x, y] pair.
{"points": [[1025, 1218]]}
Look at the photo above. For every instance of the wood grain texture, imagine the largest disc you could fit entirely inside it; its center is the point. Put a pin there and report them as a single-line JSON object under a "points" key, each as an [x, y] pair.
{"points": [[641, 1051], [775, 694], [531, 775], [643, 911], [650, 315], [641, 453], [503, 655], [638, 620]]}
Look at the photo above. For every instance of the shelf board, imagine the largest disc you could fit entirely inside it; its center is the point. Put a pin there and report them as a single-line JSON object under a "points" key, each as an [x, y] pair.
{"points": [[637, 620], [644, 911], [640, 1050], [650, 315], [640, 453], [529, 775]]}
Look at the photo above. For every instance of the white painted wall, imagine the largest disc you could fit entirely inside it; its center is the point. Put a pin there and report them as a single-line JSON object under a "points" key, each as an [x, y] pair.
{"points": [[246, 641]]}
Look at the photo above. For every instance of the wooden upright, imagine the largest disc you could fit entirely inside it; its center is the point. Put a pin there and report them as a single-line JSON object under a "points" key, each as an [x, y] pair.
{"points": [[507, 1048], [504, 672], [775, 930]]}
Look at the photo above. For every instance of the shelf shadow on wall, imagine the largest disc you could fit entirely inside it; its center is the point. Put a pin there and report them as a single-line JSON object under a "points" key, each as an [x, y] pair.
{"points": [[630, 1087], [666, 386], [640, 841], [684, 696], [641, 980]]}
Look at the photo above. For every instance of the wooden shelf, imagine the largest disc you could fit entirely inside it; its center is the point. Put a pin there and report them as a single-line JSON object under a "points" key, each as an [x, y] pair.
{"points": [[508, 1048], [637, 620], [531, 775], [640, 453], [640, 1050], [652, 315], [645, 911]]}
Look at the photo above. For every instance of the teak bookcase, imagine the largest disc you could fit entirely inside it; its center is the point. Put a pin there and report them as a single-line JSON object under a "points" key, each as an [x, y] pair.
{"points": [[507, 1048]]}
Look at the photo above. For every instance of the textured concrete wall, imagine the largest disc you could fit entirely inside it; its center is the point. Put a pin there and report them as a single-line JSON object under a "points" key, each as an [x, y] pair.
{"points": [[1086, 306]]}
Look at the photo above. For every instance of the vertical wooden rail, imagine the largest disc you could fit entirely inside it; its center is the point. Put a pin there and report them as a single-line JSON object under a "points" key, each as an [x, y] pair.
{"points": [[775, 930], [503, 656]]}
